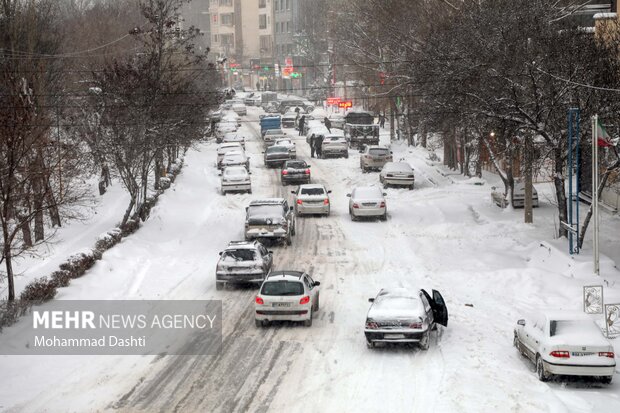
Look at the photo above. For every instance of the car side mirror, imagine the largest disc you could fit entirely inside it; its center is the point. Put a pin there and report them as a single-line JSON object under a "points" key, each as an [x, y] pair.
{"points": [[521, 322], [349, 195], [329, 192], [220, 252], [270, 252], [293, 192], [316, 283], [249, 172], [384, 194], [309, 166], [290, 208], [371, 300]]}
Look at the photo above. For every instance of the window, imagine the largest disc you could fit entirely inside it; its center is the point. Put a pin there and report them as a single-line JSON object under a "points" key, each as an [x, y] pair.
{"points": [[288, 5], [265, 43], [262, 21], [281, 4], [227, 19], [277, 28], [281, 27], [225, 2], [215, 38], [215, 19], [288, 27], [262, 4], [227, 39]]}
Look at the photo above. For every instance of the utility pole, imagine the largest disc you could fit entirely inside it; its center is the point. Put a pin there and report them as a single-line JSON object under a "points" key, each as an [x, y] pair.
{"points": [[528, 207], [595, 178]]}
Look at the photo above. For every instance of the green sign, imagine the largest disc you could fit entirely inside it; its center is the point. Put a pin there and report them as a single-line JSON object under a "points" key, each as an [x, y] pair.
{"points": [[295, 75]]}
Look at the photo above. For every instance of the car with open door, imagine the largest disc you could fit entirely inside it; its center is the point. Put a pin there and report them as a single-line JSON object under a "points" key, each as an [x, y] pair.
{"points": [[404, 315], [565, 343]]}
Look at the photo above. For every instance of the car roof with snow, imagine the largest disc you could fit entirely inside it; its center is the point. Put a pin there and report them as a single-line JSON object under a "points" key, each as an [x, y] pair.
{"points": [[267, 201], [397, 166], [242, 245], [368, 191], [234, 154], [312, 186]]}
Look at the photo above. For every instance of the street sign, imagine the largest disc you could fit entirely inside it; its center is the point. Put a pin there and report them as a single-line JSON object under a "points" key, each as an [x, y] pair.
{"points": [[333, 101], [288, 61], [345, 104], [295, 75]]}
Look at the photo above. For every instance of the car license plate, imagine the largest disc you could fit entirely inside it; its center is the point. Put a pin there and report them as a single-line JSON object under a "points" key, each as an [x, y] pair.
{"points": [[581, 353], [393, 336], [281, 304]]}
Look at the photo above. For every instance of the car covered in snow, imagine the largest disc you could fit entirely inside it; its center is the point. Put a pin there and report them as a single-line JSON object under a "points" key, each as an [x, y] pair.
{"points": [[235, 178], [518, 195], [240, 109], [374, 157], [404, 316], [287, 142], [222, 129], [337, 120], [231, 137], [270, 218], [397, 174], [243, 262], [235, 158], [295, 171], [565, 343], [367, 201], [311, 199], [288, 119], [271, 135], [287, 296], [334, 145], [275, 156], [224, 148]]}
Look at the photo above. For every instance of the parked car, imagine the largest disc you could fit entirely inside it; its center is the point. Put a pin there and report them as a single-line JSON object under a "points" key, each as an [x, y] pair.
{"points": [[271, 135], [374, 157], [224, 148], [275, 156], [236, 137], [288, 119], [235, 158], [337, 120], [397, 174], [404, 316], [367, 201], [335, 145], [222, 129], [231, 117], [311, 199], [518, 196], [270, 218], [235, 178], [565, 343], [240, 109], [288, 143], [287, 296], [243, 262], [295, 171]]}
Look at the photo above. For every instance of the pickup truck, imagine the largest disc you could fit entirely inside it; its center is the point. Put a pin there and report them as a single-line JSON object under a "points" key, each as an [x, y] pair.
{"points": [[269, 122]]}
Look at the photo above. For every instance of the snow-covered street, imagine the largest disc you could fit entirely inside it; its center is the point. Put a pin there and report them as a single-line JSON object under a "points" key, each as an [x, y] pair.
{"points": [[444, 235]]}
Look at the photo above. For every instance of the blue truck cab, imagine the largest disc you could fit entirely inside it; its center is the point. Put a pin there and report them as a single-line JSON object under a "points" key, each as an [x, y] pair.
{"points": [[269, 122]]}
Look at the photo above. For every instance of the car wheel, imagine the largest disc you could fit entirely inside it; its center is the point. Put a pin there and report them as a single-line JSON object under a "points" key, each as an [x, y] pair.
{"points": [[219, 286], [540, 369], [606, 379], [308, 322], [289, 241], [353, 217], [385, 186], [383, 217], [249, 191], [370, 344], [411, 188], [223, 192], [258, 323], [346, 155], [426, 340], [294, 229], [316, 304]]}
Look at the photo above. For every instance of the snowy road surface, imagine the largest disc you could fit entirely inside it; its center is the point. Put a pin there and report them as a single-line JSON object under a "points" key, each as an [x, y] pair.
{"points": [[443, 235]]}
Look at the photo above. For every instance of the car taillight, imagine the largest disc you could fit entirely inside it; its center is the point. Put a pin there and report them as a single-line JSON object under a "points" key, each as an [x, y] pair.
{"points": [[371, 325], [307, 171], [299, 202], [304, 300], [382, 205], [326, 202], [355, 206], [560, 354], [609, 354], [284, 172], [415, 325], [259, 300]]}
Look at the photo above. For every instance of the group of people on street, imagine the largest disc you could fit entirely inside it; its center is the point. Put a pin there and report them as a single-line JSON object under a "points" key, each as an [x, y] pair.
{"points": [[316, 146]]}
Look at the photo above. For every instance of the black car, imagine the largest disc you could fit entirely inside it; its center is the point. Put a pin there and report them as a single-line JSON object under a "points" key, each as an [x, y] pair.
{"points": [[276, 156], [295, 171]]}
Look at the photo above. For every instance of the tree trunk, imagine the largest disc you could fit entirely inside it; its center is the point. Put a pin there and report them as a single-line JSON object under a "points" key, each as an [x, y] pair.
{"points": [[422, 134], [159, 164], [53, 207], [479, 161], [8, 259], [560, 190], [392, 126], [39, 229], [132, 202], [528, 158]]}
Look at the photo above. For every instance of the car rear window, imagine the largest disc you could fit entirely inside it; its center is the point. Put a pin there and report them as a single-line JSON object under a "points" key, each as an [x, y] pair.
{"points": [[377, 151], [282, 288], [296, 165], [239, 255], [312, 191], [277, 149], [575, 327], [368, 193]]}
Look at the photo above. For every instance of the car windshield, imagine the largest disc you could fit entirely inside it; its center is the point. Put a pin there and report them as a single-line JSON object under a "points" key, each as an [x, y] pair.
{"points": [[277, 149], [264, 211], [283, 142], [239, 255], [378, 151], [282, 288], [233, 156], [296, 165], [312, 191], [569, 327]]}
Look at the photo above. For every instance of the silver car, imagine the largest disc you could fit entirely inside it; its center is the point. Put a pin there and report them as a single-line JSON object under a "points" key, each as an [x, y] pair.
{"points": [[231, 137], [236, 178], [374, 157], [243, 262], [312, 199], [518, 196], [240, 108], [404, 316], [287, 296], [397, 174], [224, 148], [367, 201], [235, 158]]}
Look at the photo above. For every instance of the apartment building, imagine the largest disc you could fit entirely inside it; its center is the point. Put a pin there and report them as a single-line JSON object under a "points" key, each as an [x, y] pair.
{"points": [[196, 13]]}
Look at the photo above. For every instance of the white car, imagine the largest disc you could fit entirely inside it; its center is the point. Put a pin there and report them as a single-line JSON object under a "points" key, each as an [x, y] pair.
{"points": [[287, 296], [235, 158], [397, 174], [272, 134], [311, 199], [236, 178], [404, 316], [518, 196], [240, 109], [334, 145], [224, 148], [337, 120], [243, 262], [565, 343], [222, 129], [287, 143], [231, 117], [367, 201], [231, 137]]}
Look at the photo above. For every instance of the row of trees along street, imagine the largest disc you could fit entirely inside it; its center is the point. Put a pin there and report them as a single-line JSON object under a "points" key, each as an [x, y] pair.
{"points": [[493, 78], [115, 89]]}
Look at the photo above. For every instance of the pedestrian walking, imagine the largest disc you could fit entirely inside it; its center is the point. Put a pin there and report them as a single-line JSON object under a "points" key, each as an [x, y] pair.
{"points": [[257, 85], [319, 146], [312, 138], [302, 122], [328, 124], [382, 120]]}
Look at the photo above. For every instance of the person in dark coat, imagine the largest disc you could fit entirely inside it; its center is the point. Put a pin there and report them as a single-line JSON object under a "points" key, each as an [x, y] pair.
{"points": [[312, 143], [328, 124], [302, 121], [382, 121], [319, 146]]}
